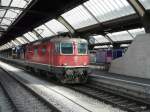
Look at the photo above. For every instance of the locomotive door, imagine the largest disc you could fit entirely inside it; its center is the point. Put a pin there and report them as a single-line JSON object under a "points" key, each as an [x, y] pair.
{"points": [[51, 62], [50, 55]]}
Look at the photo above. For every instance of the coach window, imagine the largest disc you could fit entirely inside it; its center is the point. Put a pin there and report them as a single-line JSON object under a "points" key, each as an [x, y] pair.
{"points": [[82, 48], [66, 48], [43, 50], [35, 51]]}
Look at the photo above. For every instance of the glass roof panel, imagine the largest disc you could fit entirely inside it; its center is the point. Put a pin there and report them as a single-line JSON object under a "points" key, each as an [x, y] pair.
{"points": [[15, 43], [120, 36], [7, 46], [11, 44], [105, 10], [44, 31], [6, 22], [138, 31], [2, 12], [103, 47], [8, 13], [3, 47], [125, 45], [100, 39], [56, 26], [5, 2], [145, 3], [19, 3], [24, 39], [29, 37], [79, 17], [20, 40], [4, 27], [33, 35]]}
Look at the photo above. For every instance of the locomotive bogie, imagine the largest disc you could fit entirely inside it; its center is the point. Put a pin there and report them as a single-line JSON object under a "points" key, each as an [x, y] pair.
{"points": [[76, 75]]}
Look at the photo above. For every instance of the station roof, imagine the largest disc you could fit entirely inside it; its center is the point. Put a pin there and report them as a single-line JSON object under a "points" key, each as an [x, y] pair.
{"points": [[29, 14], [9, 12], [36, 19]]}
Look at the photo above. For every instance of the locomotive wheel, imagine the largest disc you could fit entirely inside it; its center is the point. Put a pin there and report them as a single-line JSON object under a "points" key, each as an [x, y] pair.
{"points": [[37, 72], [42, 73], [50, 76], [31, 69]]}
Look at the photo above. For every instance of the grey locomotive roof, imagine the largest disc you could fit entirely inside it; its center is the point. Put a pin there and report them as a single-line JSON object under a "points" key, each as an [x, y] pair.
{"points": [[59, 39], [68, 39]]}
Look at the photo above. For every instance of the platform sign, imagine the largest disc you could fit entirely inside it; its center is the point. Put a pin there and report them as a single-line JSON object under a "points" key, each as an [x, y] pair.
{"points": [[91, 40]]}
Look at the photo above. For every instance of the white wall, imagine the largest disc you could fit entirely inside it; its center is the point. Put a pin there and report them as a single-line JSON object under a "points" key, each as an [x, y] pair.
{"points": [[136, 61]]}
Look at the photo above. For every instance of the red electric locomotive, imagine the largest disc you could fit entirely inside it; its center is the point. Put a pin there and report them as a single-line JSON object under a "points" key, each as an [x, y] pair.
{"points": [[67, 58]]}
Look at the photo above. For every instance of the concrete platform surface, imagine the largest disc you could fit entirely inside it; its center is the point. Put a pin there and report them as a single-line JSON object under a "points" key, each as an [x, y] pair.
{"points": [[136, 80]]}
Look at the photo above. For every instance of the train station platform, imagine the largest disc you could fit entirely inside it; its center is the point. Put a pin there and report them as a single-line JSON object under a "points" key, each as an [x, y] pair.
{"points": [[98, 70], [99, 74], [99, 66], [63, 98], [133, 86]]}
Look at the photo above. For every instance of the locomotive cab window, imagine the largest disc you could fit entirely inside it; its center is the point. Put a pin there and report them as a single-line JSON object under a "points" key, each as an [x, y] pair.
{"points": [[66, 48], [82, 48]]}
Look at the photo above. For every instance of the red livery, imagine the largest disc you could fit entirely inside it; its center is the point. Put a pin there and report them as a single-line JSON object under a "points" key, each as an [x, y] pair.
{"points": [[67, 58]]}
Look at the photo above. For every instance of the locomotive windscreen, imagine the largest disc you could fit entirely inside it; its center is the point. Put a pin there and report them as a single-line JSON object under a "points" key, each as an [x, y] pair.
{"points": [[67, 48], [82, 48]]}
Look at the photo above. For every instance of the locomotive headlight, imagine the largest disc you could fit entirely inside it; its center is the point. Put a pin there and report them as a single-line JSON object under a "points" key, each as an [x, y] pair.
{"points": [[65, 64], [84, 63]]}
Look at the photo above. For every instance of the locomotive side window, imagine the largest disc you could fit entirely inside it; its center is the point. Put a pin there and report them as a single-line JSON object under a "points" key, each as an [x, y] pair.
{"points": [[35, 51], [82, 48], [66, 48], [44, 50]]}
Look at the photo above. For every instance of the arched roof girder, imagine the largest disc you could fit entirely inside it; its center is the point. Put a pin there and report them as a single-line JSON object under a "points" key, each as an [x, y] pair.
{"points": [[142, 12]]}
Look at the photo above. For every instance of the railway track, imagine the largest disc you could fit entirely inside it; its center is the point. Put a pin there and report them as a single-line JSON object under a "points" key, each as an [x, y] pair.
{"points": [[23, 98], [116, 100], [103, 94], [6, 104], [72, 102]]}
